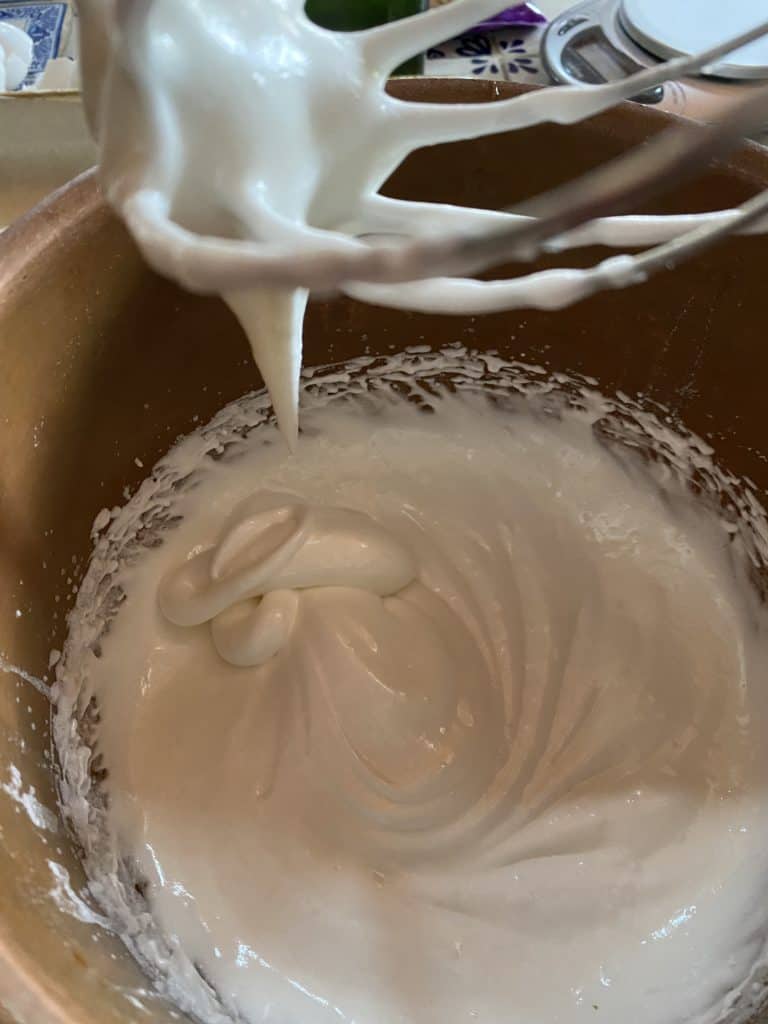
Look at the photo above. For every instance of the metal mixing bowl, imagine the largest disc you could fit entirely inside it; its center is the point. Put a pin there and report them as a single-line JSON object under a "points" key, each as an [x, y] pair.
{"points": [[102, 364]]}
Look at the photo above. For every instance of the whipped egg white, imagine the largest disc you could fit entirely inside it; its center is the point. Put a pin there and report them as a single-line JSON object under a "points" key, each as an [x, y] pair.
{"points": [[457, 714]]}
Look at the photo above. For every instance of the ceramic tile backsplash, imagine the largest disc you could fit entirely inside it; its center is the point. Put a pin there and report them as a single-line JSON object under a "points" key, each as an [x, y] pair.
{"points": [[511, 55], [473, 56], [519, 54]]}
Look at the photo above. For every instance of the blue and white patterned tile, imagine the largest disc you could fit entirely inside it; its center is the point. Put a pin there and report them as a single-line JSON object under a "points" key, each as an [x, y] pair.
{"points": [[481, 56], [519, 54], [47, 24], [510, 55], [465, 57]]}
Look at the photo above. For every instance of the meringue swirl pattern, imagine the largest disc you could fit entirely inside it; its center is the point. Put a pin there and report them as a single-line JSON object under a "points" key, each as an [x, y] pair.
{"points": [[449, 717]]}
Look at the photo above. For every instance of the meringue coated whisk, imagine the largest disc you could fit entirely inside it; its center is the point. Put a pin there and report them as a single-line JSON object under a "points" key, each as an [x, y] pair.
{"points": [[311, 215]]}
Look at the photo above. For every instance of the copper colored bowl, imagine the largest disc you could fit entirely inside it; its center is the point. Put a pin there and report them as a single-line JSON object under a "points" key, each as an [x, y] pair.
{"points": [[104, 363]]}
